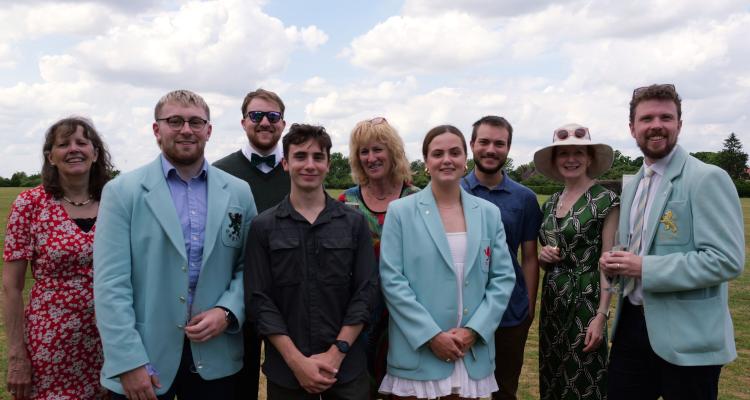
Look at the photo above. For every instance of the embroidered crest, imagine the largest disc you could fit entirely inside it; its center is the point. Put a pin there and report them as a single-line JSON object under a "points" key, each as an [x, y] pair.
{"points": [[668, 220], [235, 222], [487, 253]]}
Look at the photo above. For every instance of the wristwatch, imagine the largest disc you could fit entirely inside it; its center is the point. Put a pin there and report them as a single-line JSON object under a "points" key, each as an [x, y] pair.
{"points": [[228, 316], [342, 345]]}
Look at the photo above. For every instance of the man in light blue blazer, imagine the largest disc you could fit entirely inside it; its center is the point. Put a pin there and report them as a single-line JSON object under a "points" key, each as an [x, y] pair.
{"points": [[673, 330], [168, 259], [419, 284]]}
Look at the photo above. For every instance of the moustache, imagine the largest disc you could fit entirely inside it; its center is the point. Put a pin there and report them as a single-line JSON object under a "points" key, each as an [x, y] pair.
{"points": [[270, 129]]}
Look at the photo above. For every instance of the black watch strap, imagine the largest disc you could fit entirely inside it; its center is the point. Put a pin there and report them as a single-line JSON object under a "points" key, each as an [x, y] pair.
{"points": [[342, 345]]}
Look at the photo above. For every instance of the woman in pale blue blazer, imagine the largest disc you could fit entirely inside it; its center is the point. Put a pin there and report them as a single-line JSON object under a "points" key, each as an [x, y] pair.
{"points": [[446, 276]]}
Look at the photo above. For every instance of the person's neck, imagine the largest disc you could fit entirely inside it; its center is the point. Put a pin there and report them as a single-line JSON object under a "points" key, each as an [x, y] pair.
{"points": [[489, 180], [263, 153], [382, 187], [308, 203], [446, 196], [75, 188], [578, 185], [187, 172]]}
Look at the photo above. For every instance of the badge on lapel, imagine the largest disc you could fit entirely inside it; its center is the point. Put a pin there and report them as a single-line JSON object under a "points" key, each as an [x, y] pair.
{"points": [[668, 221], [486, 253]]}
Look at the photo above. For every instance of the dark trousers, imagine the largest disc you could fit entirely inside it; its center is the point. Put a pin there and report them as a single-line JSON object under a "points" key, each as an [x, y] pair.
{"points": [[358, 389], [188, 385], [510, 343], [636, 372], [246, 382]]}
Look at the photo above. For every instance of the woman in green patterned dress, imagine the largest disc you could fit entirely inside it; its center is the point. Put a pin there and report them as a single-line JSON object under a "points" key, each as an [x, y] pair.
{"points": [[579, 223], [381, 170]]}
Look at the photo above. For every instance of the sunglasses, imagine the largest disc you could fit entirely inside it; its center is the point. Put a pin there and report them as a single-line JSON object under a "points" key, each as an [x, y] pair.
{"points": [[257, 116], [667, 86], [562, 134], [378, 121]]}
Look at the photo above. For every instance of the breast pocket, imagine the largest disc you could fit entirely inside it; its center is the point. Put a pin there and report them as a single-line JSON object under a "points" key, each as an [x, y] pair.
{"points": [[338, 257], [231, 227], [485, 255], [675, 226], [285, 257]]}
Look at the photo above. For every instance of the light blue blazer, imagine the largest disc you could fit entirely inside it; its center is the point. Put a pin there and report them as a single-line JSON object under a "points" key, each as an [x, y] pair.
{"points": [[141, 278], [695, 241], [419, 284]]}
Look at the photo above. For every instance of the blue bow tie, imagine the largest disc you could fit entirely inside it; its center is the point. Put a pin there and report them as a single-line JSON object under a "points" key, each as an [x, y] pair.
{"points": [[269, 160]]}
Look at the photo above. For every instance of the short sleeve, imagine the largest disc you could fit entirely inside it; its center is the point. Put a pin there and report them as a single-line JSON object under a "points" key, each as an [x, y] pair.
{"points": [[19, 242], [532, 218], [605, 202]]}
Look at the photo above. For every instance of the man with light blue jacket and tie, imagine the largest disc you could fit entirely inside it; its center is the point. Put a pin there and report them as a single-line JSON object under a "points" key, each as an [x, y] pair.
{"points": [[168, 259], [682, 223]]}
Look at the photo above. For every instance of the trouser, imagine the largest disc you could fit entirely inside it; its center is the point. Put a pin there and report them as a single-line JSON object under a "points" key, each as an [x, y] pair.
{"points": [[246, 382], [510, 343], [636, 372], [358, 389], [188, 385]]}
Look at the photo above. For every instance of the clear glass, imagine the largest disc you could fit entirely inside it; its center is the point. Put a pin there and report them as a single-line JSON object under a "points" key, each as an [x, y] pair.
{"points": [[614, 281]]}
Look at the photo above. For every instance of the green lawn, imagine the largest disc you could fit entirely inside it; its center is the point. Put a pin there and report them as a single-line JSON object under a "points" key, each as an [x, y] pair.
{"points": [[735, 377]]}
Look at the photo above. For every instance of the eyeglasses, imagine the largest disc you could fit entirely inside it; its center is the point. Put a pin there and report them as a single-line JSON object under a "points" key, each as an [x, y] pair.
{"points": [[562, 133], [257, 116], [176, 122], [378, 121], [667, 86]]}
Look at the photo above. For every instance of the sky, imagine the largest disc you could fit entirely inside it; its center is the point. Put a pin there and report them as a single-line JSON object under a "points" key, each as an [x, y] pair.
{"points": [[418, 63]]}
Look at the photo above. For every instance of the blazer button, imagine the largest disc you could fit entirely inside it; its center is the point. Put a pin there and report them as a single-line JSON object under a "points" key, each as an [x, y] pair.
{"points": [[184, 268], [466, 283], [182, 299], [180, 326], [466, 310]]}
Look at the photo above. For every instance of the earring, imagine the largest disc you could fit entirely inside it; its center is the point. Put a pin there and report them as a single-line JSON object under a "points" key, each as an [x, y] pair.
{"points": [[427, 171], [466, 168]]}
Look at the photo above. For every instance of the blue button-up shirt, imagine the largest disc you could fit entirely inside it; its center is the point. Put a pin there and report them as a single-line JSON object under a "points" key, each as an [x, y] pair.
{"points": [[190, 200], [522, 218]]}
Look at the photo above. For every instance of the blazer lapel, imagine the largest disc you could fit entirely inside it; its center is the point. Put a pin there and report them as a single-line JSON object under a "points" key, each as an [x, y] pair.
{"points": [[218, 200], [431, 217], [159, 200], [656, 210], [474, 228]]}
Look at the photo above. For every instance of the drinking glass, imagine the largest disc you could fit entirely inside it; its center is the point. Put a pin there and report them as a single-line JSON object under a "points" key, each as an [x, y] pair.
{"points": [[614, 281]]}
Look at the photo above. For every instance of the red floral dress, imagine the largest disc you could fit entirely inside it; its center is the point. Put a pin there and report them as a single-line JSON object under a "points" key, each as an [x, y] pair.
{"points": [[60, 331]]}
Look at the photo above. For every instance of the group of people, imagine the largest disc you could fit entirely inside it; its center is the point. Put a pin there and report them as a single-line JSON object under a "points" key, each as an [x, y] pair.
{"points": [[164, 281]]}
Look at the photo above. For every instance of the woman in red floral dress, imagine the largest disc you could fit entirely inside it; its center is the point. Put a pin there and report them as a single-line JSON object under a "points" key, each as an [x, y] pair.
{"points": [[53, 347]]}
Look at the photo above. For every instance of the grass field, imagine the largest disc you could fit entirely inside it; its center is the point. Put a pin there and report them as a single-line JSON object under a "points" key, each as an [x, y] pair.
{"points": [[735, 377]]}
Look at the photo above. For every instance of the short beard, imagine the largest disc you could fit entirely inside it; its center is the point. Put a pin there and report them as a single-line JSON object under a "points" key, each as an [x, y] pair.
{"points": [[656, 155], [489, 171]]}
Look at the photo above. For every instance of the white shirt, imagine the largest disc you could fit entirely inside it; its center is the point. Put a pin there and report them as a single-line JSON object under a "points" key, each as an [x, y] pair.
{"points": [[659, 168], [248, 150]]}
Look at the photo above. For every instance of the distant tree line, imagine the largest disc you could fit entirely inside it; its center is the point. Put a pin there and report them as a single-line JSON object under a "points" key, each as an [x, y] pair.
{"points": [[731, 158]]}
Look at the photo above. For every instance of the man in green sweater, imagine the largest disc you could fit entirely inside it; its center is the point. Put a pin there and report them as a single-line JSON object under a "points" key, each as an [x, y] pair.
{"points": [[258, 162]]}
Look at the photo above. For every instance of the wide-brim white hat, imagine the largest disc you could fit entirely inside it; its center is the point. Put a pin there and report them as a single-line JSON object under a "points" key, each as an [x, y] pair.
{"points": [[603, 154]]}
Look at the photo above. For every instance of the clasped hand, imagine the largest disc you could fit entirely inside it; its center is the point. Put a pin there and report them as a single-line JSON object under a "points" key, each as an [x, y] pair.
{"points": [[453, 344]]}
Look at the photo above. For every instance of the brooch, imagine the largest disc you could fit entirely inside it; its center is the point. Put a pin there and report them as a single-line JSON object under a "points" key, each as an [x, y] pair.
{"points": [[668, 220]]}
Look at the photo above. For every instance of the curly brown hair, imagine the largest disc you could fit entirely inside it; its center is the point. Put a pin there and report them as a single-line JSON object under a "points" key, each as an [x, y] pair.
{"points": [[655, 92], [101, 169]]}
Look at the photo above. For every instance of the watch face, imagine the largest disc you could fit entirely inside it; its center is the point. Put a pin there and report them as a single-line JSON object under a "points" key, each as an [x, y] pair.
{"points": [[343, 346]]}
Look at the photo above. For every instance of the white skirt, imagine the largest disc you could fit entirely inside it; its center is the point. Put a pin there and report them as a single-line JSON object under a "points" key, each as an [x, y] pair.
{"points": [[458, 383]]}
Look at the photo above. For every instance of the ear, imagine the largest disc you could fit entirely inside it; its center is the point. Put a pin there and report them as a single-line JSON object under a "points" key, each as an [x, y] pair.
{"points": [[632, 129], [96, 154], [208, 132], [285, 164]]}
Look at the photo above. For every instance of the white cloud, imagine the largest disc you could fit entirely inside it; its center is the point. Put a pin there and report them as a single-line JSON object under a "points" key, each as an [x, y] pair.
{"points": [[405, 44], [311, 37]]}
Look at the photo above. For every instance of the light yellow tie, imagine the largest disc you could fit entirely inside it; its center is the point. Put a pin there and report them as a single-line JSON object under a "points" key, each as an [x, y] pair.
{"points": [[636, 239]]}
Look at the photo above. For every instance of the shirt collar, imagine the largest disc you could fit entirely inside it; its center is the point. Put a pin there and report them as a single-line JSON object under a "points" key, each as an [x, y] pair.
{"points": [[167, 168], [473, 181], [285, 208], [660, 166], [248, 151]]}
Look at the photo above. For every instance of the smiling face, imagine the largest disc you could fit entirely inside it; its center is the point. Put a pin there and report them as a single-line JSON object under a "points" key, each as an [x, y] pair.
{"points": [[263, 135], [490, 148], [375, 160], [655, 128], [184, 146], [446, 159], [307, 164], [572, 161], [72, 154]]}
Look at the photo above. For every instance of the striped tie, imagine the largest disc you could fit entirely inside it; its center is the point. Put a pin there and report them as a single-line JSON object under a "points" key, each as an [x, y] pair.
{"points": [[636, 239]]}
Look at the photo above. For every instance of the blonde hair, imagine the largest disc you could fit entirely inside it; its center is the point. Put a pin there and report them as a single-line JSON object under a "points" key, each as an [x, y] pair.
{"points": [[182, 97], [366, 132]]}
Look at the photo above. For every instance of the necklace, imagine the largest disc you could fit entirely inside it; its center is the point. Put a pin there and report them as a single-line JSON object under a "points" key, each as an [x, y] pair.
{"points": [[75, 203], [381, 198]]}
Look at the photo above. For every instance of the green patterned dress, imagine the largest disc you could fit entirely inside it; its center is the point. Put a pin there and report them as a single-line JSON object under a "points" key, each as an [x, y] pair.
{"points": [[570, 298]]}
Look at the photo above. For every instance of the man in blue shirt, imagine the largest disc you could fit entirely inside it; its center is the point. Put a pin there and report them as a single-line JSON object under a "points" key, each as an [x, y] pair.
{"points": [[490, 142], [168, 260]]}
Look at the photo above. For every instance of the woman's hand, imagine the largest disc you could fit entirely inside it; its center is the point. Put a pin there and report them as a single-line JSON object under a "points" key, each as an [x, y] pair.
{"points": [[594, 333], [19, 376], [550, 255], [446, 346], [466, 338]]}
